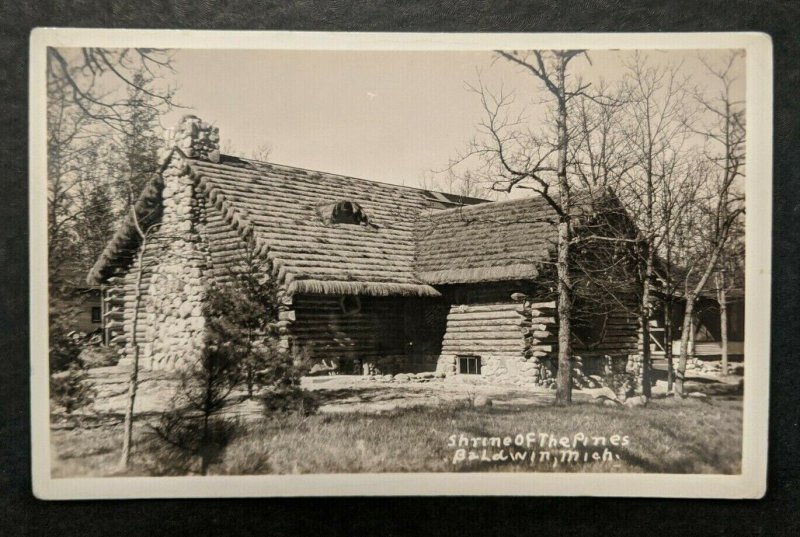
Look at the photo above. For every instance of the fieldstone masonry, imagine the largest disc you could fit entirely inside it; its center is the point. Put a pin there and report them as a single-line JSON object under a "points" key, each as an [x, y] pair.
{"points": [[173, 306]]}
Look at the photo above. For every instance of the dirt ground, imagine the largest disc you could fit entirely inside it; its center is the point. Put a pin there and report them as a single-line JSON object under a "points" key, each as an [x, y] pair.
{"points": [[346, 393], [336, 394], [351, 393]]}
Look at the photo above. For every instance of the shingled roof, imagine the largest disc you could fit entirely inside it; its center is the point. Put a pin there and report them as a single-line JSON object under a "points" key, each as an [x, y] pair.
{"points": [[505, 240], [284, 209], [312, 255]]}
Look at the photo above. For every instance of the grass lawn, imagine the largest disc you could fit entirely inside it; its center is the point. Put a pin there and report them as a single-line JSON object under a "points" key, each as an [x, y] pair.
{"points": [[667, 436]]}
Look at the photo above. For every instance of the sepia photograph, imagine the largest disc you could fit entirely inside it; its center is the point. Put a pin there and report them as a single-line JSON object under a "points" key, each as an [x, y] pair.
{"points": [[399, 264]]}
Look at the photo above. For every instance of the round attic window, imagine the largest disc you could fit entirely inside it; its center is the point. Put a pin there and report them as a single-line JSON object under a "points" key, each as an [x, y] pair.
{"points": [[343, 212]]}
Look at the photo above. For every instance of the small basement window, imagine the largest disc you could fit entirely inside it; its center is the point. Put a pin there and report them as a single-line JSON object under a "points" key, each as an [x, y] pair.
{"points": [[469, 365], [96, 314]]}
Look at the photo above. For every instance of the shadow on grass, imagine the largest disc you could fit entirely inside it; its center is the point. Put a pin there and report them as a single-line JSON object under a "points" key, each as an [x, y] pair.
{"points": [[361, 395]]}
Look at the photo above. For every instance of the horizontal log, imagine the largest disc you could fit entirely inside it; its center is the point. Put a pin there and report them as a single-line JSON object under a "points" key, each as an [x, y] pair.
{"points": [[471, 308], [620, 333], [617, 339], [289, 315], [541, 305], [518, 330], [336, 306], [482, 315], [598, 353], [538, 313], [354, 322], [486, 344], [463, 323], [362, 334], [339, 342], [627, 344], [481, 336], [543, 320]]}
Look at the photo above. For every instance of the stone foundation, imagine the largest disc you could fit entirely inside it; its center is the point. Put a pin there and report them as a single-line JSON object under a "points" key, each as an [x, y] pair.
{"points": [[396, 364]]}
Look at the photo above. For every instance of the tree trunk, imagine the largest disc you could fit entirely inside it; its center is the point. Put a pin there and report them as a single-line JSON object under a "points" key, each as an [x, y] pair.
{"points": [[206, 440], [133, 380], [688, 323], [644, 320], [564, 375], [723, 323], [668, 343]]}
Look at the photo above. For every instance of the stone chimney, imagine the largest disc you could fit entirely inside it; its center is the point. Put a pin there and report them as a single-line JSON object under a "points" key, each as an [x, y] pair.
{"points": [[196, 138], [174, 305]]}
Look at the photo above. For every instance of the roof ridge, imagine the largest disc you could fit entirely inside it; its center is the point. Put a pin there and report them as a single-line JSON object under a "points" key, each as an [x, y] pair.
{"points": [[343, 176], [520, 201], [489, 203]]}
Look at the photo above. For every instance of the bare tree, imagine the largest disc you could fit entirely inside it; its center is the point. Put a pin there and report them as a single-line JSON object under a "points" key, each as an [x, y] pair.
{"points": [[723, 203], [145, 234], [103, 106], [465, 184], [677, 202], [656, 132], [512, 156], [68, 157], [89, 77], [726, 278]]}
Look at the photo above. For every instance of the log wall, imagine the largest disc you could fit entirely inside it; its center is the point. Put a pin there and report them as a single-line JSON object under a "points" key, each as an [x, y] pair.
{"points": [[517, 341], [367, 335], [485, 321]]}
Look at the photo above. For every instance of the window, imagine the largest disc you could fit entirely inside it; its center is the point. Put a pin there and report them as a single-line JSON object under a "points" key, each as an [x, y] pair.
{"points": [[469, 365], [343, 212], [96, 314]]}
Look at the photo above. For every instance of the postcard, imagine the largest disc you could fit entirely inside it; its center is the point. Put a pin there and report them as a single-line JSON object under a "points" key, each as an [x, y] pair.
{"points": [[321, 264]]}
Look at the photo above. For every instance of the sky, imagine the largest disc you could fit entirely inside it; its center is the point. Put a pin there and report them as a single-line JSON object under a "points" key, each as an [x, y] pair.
{"points": [[386, 116]]}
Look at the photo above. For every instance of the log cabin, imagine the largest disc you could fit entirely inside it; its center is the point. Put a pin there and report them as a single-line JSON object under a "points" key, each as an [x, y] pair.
{"points": [[377, 278], [80, 302]]}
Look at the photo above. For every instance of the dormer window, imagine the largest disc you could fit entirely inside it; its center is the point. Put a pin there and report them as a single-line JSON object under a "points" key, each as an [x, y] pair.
{"points": [[343, 212]]}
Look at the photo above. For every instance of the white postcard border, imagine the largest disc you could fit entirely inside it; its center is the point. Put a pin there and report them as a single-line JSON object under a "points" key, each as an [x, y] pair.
{"points": [[751, 483]]}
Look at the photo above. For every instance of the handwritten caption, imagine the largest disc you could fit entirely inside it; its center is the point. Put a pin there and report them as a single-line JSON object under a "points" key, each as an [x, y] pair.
{"points": [[537, 448]]}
